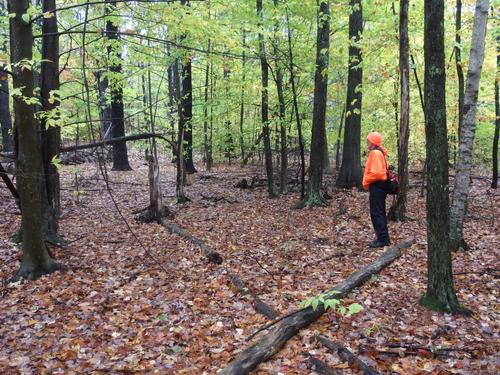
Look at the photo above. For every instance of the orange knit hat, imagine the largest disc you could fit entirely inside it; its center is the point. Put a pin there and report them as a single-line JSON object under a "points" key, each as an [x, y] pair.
{"points": [[375, 138]]}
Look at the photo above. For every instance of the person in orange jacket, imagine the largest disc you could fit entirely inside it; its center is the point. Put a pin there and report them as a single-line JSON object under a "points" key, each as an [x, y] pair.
{"points": [[375, 180]]}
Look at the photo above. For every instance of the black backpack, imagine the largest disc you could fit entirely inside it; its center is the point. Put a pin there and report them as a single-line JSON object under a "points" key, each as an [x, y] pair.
{"points": [[391, 185]]}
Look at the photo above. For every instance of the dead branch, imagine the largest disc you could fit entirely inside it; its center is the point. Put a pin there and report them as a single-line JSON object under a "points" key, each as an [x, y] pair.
{"points": [[260, 306], [317, 365], [346, 355], [211, 254], [271, 343], [112, 141]]}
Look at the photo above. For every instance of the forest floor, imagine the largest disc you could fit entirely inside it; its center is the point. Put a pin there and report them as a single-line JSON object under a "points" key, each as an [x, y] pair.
{"points": [[143, 300]]}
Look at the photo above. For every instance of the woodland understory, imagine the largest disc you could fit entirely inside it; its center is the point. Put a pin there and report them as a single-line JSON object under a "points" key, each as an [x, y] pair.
{"points": [[140, 299]]}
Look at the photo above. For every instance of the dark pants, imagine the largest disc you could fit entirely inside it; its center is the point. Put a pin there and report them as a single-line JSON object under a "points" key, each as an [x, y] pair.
{"points": [[377, 211]]}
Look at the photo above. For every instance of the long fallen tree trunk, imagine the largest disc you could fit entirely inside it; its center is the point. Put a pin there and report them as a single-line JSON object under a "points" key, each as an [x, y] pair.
{"points": [[277, 337], [112, 141], [212, 255]]}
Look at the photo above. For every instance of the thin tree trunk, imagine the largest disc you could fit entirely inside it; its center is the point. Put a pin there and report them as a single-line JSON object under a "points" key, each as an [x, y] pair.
{"points": [[229, 144], [440, 294], [173, 99], [36, 260], [350, 171], [187, 109], [51, 135], [296, 108], [494, 180], [282, 109], [242, 98], [314, 196], [404, 120], [120, 155], [206, 155], [102, 84], [339, 137], [271, 188], [468, 129], [5, 116], [458, 62]]}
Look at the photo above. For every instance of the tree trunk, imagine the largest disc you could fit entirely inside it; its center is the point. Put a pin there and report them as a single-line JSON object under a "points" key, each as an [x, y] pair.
{"points": [[186, 115], [314, 196], [242, 98], [51, 135], [228, 144], [271, 343], [440, 293], [102, 84], [187, 109], [206, 148], [339, 137], [173, 99], [458, 62], [271, 187], [282, 108], [36, 260], [120, 155], [404, 119], [296, 108], [5, 116], [468, 129], [494, 180], [350, 171]]}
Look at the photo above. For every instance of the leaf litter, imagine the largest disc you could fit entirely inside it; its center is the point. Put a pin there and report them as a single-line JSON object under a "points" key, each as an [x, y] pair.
{"points": [[117, 310]]}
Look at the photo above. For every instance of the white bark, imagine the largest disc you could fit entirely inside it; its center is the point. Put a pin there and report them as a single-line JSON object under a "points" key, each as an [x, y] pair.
{"points": [[467, 134]]}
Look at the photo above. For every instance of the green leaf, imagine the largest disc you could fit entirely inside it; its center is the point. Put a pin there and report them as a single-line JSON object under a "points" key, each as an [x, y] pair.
{"points": [[26, 18], [315, 304], [354, 308], [56, 162]]}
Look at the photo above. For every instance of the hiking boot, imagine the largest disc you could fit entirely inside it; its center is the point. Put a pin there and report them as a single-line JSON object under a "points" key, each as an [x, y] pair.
{"points": [[376, 244]]}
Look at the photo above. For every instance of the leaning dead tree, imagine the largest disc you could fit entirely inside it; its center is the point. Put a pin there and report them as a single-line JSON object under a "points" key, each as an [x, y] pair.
{"points": [[468, 129], [277, 337]]}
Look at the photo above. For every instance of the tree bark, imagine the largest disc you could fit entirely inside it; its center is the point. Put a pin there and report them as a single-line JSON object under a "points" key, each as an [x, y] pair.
{"points": [[314, 196], [271, 343], [404, 119], [271, 188], [296, 109], [36, 260], [51, 135], [120, 155], [281, 107], [350, 171], [242, 97], [468, 129], [186, 113], [5, 116], [440, 293], [494, 180], [102, 84], [458, 63]]}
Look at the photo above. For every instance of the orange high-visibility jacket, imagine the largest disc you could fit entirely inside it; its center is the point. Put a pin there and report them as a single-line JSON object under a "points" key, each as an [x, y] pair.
{"points": [[375, 168]]}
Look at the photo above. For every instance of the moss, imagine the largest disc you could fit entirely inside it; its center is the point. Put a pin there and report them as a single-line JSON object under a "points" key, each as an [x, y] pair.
{"points": [[434, 304]]}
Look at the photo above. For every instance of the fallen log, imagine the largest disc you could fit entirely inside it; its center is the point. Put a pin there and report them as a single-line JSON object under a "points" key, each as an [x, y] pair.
{"points": [[260, 306], [317, 365], [211, 254], [273, 341], [112, 141], [347, 355]]}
